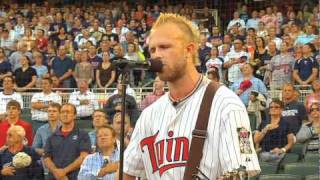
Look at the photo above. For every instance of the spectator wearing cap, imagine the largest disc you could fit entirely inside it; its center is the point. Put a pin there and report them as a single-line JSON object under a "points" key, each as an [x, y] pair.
{"points": [[234, 60], [41, 101], [274, 136], [62, 66], [104, 163], [26, 76], [306, 69], [310, 131], [7, 95], [281, 68], [14, 58], [158, 91], [294, 112], [66, 149], [13, 118], [314, 97], [84, 101], [254, 84], [15, 140]]}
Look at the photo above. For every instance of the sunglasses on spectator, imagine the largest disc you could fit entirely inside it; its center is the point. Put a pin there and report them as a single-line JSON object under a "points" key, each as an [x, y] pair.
{"points": [[314, 109]]}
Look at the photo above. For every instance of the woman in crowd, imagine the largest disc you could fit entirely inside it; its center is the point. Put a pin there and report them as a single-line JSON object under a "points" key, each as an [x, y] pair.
{"points": [[26, 76], [310, 131], [42, 70], [105, 74], [29, 39], [315, 96], [84, 69], [274, 136]]}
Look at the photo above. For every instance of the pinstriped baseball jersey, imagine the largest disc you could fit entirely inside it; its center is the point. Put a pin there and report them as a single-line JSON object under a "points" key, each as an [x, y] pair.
{"points": [[162, 137]]}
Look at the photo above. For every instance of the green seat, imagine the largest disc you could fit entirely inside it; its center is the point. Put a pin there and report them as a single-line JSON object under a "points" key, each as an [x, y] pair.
{"points": [[280, 177], [268, 168], [312, 158], [302, 169], [290, 158], [313, 177], [299, 149]]}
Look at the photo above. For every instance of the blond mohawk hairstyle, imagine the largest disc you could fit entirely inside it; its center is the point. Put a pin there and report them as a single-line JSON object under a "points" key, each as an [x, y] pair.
{"points": [[185, 25]]}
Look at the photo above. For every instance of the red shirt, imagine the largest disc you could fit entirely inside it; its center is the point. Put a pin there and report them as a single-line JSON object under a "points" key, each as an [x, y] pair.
{"points": [[4, 126]]}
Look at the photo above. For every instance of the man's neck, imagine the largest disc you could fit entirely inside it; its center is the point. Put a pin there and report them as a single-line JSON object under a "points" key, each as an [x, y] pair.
{"points": [[53, 124], [67, 127], [8, 91], [13, 121], [275, 119], [247, 76], [107, 151], [185, 85], [287, 101]]}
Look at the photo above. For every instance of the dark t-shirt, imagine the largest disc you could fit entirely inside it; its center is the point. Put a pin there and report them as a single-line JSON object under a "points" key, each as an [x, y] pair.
{"points": [[63, 150], [276, 137], [5, 67], [294, 113], [60, 67], [105, 74], [305, 66], [23, 78]]}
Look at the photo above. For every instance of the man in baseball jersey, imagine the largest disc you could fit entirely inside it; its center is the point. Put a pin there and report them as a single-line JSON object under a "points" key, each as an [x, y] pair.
{"points": [[159, 147]]}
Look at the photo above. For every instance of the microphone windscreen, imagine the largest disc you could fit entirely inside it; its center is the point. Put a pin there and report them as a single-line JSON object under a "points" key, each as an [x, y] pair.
{"points": [[155, 65]]}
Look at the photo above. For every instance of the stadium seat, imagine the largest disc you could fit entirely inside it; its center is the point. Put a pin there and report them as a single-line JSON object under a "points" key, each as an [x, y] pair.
{"points": [[299, 149], [267, 168], [302, 169], [313, 177], [290, 158], [312, 158], [280, 177]]}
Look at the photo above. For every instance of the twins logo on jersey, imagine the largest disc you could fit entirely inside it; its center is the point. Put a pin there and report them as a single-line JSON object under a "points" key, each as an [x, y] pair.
{"points": [[167, 153]]}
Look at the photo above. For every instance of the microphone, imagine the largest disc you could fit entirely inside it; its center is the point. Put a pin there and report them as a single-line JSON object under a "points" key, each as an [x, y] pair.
{"points": [[153, 65]]}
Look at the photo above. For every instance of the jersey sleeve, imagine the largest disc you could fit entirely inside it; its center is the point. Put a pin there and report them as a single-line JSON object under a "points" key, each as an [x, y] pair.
{"points": [[133, 162], [236, 143]]}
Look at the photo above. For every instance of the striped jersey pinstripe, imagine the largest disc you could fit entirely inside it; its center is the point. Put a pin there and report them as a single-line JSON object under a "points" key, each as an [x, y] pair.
{"points": [[157, 148]]}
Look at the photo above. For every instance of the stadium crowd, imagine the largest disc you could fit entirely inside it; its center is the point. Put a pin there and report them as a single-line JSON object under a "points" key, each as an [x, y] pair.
{"points": [[257, 52]]}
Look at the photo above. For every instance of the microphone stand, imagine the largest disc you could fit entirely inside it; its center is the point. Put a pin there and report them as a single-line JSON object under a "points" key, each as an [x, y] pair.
{"points": [[124, 72]]}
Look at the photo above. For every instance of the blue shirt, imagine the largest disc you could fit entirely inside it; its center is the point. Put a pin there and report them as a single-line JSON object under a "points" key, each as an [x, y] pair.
{"points": [[257, 85], [93, 163], [60, 67], [304, 39], [42, 134], [41, 70], [92, 136], [305, 66]]}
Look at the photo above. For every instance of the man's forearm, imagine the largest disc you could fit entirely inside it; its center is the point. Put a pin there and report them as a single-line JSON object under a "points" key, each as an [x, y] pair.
{"points": [[76, 164], [65, 75], [49, 164]]}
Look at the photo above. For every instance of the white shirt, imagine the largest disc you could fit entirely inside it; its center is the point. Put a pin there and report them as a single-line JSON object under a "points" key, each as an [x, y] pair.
{"points": [[234, 72], [84, 110], [235, 21], [38, 115], [4, 99], [129, 91], [161, 139]]}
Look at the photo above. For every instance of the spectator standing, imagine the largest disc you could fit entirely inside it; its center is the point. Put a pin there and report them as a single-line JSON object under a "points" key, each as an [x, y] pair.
{"points": [[41, 101], [15, 57], [5, 66], [158, 91], [253, 21], [83, 70], [66, 149], [106, 73], [7, 95], [25, 76], [216, 61], [84, 101], [13, 118], [62, 67], [236, 21], [41, 70]]}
